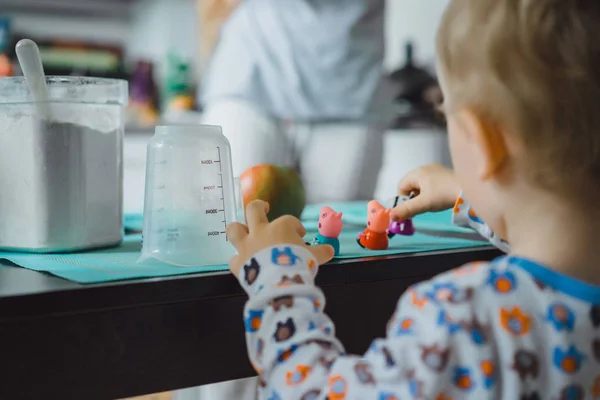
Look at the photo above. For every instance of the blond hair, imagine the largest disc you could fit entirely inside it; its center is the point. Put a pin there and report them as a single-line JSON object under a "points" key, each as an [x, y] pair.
{"points": [[532, 67]]}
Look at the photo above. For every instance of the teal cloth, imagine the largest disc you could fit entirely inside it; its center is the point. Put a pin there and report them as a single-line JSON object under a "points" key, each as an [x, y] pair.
{"points": [[133, 223], [120, 263]]}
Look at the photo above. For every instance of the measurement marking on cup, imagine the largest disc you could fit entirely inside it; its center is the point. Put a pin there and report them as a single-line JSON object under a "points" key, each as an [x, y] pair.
{"points": [[172, 235], [222, 191], [216, 233]]}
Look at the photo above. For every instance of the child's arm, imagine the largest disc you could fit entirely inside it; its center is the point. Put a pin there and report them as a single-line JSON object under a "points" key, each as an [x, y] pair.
{"points": [[430, 340], [437, 188], [464, 215], [293, 347]]}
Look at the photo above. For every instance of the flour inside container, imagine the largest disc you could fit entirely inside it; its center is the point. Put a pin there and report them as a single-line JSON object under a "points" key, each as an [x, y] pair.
{"points": [[60, 178]]}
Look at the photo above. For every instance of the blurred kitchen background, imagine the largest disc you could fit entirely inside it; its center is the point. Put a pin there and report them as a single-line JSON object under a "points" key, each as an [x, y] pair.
{"points": [[157, 45]]}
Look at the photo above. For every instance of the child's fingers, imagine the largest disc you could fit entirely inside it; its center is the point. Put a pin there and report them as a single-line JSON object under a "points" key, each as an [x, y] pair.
{"points": [[411, 208], [409, 183], [322, 253], [256, 214], [288, 220], [236, 232]]}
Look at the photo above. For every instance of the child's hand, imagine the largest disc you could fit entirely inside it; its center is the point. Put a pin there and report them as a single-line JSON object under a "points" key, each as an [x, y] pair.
{"points": [[260, 234], [436, 189]]}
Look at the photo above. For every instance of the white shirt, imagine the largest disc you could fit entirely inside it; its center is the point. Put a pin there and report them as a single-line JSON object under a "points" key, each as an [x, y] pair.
{"points": [[300, 59]]}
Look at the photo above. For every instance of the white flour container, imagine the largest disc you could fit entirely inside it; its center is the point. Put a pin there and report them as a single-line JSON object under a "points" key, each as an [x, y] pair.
{"points": [[61, 176]]}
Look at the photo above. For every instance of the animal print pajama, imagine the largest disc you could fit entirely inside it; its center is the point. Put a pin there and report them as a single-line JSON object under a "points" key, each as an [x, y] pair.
{"points": [[508, 329]]}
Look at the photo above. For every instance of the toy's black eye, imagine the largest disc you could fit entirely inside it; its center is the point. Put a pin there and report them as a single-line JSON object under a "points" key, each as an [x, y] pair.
{"points": [[324, 215]]}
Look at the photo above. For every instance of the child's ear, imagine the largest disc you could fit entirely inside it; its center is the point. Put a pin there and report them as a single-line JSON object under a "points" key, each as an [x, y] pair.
{"points": [[487, 142]]}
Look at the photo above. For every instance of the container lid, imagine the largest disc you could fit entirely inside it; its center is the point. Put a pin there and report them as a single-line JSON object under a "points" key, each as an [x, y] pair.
{"points": [[67, 89]]}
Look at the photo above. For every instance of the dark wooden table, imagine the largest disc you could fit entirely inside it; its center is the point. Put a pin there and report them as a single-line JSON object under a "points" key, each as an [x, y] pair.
{"points": [[63, 340]]}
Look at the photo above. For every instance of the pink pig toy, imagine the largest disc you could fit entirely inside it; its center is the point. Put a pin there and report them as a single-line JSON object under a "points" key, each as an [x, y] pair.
{"points": [[330, 222], [330, 227], [375, 236]]}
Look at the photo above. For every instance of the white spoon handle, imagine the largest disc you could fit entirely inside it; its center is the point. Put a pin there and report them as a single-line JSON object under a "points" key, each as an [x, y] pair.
{"points": [[31, 64]]}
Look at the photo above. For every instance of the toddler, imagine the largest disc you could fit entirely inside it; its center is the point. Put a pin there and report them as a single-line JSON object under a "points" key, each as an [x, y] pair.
{"points": [[521, 83]]}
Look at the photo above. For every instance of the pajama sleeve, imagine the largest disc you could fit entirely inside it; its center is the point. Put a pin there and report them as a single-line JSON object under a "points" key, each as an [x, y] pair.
{"points": [[293, 348], [464, 215]]}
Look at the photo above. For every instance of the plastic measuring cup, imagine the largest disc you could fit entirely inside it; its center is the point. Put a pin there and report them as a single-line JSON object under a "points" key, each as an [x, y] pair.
{"points": [[189, 197]]}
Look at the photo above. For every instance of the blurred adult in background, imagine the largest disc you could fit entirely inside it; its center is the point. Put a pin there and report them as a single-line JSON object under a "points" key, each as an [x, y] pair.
{"points": [[299, 82]]}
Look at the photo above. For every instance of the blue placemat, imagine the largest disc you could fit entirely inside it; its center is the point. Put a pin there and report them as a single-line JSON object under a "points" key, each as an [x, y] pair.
{"points": [[133, 222], [119, 263], [434, 232]]}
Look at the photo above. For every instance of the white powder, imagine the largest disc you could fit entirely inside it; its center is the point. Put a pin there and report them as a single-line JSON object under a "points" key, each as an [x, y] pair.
{"points": [[61, 180]]}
